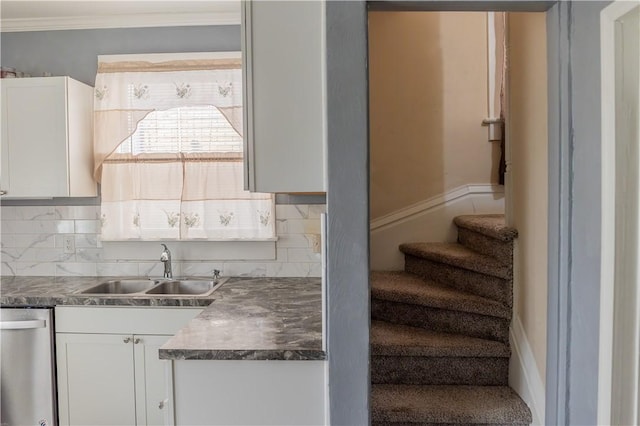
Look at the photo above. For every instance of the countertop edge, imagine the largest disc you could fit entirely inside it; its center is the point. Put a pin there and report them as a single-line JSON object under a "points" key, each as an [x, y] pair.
{"points": [[81, 300], [242, 355]]}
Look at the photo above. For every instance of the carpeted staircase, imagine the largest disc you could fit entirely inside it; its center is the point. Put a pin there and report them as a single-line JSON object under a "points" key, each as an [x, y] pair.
{"points": [[440, 332]]}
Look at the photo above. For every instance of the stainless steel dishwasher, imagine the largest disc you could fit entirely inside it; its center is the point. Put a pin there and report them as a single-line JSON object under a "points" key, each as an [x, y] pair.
{"points": [[28, 393]]}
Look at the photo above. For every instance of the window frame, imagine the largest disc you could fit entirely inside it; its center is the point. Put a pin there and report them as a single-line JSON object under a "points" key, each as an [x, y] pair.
{"points": [[185, 240]]}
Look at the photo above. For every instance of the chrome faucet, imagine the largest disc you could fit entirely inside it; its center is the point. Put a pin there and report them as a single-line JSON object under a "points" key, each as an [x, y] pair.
{"points": [[165, 258]]}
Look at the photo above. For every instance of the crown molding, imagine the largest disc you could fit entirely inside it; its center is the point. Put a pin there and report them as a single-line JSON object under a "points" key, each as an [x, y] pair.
{"points": [[120, 21]]}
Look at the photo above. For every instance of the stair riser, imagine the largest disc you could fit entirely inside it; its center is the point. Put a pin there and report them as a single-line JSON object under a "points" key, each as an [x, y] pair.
{"points": [[484, 371], [499, 250], [458, 256], [461, 279], [447, 321]]}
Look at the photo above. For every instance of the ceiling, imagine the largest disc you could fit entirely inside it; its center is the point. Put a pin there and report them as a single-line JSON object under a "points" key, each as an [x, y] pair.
{"points": [[26, 15]]}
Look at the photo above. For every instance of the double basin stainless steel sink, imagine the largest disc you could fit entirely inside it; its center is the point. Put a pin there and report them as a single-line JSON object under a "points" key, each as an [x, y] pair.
{"points": [[198, 287]]}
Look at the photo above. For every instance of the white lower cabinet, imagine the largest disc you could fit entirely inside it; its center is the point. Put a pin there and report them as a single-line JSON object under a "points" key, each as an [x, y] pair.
{"points": [[247, 392], [109, 372], [153, 382], [96, 379]]}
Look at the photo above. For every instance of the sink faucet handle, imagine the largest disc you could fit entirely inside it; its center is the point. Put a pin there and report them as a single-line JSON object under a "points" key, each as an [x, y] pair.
{"points": [[166, 253], [165, 257]]}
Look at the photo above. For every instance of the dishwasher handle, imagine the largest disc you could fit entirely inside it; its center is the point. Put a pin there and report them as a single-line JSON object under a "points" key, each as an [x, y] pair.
{"points": [[22, 325]]}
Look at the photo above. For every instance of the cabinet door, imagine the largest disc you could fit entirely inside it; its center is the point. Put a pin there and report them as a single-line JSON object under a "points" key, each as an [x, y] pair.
{"points": [[95, 379], [244, 392], [34, 131], [154, 399], [284, 77]]}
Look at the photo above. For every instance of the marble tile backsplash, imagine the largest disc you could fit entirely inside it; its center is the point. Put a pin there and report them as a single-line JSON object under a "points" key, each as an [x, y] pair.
{"points": [[32, 244]]}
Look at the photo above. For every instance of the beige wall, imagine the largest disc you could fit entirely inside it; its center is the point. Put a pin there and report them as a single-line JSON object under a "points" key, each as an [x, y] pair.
{"points": [[428, 97], [528, 143]]}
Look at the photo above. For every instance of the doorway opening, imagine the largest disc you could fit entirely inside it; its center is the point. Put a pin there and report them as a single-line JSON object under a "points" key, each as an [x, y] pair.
{"points": [[431, 86]]}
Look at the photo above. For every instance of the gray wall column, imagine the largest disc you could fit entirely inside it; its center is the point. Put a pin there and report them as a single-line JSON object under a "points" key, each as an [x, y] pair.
{"points": [[574, 212], [585, 146], [348, 217]]}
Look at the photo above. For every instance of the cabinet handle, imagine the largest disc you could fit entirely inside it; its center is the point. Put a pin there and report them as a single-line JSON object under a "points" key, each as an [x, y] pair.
{"points": [[161, 404], [137, 340], [3, 192], [127, 340]]}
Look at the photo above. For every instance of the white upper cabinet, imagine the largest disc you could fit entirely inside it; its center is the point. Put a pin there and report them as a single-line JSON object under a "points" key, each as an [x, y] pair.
{"points": [[47, 148], [285, 95]]}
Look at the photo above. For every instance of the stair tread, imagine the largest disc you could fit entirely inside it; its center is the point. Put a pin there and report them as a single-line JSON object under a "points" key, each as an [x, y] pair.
{"points": [[491, 225], [403, 287], [447, 404], [459, 256], [389, 339]]}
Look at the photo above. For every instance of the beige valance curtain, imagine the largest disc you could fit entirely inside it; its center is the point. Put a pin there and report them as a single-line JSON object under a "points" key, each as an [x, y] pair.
{"points": [[190, 198], [127, 91], [169, 187]]}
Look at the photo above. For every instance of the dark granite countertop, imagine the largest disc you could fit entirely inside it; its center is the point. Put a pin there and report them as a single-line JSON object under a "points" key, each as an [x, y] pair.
{"points": [[258, 319], [244, 319]]}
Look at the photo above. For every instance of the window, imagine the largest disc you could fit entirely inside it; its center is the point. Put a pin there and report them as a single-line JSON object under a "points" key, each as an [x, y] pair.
{"points": [[184, 129], [168, 150]]}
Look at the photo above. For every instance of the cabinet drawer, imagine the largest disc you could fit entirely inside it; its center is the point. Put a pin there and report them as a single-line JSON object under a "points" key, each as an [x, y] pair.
{"points": [[123, 320]]}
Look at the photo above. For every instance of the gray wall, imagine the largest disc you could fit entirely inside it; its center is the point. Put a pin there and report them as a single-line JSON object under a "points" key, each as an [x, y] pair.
{"points": [[74, 52], [348, 213], [574, 212], [585, 213]]}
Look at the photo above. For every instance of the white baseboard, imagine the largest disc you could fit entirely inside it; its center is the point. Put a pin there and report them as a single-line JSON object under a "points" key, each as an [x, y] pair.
{"points": [[524, 376], [429, 220], [424, 206]]}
